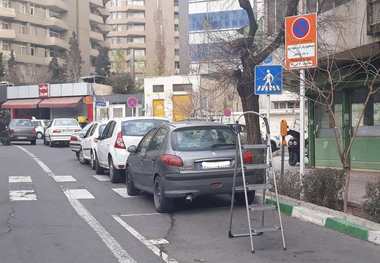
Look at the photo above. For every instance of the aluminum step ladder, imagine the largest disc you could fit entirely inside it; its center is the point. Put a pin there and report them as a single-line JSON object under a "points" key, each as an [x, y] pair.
{"points": [[241, 169]]}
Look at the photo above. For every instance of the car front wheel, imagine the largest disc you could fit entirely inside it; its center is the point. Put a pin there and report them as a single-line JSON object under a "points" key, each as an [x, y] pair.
{"points": [[98, 168], [39, 135], [161, 203], [81, 157], [131, 189], [92, 161]]}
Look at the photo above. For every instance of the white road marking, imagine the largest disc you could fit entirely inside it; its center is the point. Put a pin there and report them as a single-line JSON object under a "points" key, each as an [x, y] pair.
{"points": [[158, 252], [38, 161], [22, 195], [116, 249], [122, 192], [142, 214], [20, 179], [102, 178], [160, 241], [79, 194], [64, 178]]}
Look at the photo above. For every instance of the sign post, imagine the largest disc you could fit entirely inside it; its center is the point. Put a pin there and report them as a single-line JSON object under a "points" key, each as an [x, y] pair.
{"points": [[301, 53]]}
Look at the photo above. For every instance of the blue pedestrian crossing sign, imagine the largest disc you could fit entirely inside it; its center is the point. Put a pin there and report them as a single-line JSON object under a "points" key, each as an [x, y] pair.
{"points": [[268, 79]]}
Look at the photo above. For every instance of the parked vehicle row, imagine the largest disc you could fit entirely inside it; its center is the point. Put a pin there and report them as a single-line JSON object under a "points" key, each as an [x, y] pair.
{"points": [[60, 131], [168, 160]]}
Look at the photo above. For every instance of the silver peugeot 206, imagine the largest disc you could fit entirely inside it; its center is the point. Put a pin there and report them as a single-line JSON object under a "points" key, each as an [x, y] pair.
{"points": [[186, 160]]}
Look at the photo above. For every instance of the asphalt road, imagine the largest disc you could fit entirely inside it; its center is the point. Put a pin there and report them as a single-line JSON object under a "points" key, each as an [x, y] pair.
{"points": [[55, 222]]}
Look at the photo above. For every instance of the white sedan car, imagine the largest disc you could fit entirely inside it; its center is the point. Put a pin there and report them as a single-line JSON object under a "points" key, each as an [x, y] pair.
{"points": [[111, 150], [88, 143], [60, 131]]}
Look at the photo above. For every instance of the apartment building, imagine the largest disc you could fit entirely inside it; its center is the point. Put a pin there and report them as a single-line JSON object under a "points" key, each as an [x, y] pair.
{"points": [[35, 29], [146, 37]]}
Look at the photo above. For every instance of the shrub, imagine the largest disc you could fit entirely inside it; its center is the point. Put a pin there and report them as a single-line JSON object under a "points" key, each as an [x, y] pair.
{"points": [[289, 184], [372, 205], [325, 187]]}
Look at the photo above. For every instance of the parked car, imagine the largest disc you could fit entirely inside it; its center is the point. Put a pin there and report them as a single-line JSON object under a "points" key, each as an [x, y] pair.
{"points": [[22, 130], [186, 160], [88, 143], [40, 126], [111, 150], [76, 138], [60, 131]]}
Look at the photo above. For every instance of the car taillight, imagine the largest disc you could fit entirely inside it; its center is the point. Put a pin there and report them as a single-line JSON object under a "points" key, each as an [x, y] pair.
{"points": [[73, 138], [56, 131], [119, 143], [171, 160], [77, 130], [248, 157]]}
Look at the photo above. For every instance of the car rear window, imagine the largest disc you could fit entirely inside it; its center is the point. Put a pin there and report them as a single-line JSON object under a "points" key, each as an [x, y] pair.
{"points": [[139, 127], [65, 122], [203, 139], [21, 123]]}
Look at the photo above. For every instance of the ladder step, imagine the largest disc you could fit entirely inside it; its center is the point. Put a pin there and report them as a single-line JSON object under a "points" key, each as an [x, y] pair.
{"points": [[254, 146], [260, 207], [256, 166], [256, 187], [260, 230]]}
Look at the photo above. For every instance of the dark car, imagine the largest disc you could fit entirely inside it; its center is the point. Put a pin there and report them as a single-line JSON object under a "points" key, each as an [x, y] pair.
{"points": [[22, 130], [186, 160]]}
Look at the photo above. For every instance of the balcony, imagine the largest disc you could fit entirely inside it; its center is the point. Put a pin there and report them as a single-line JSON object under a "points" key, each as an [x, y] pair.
{"points": [[57, 42], [126, 20], [56, 23], [127, 45], [7, 12], [53, 22], [55, 5], [94, 52], [96, 18], [104, 28], [104, 12], [27, 59], [42, 40], [126, 8], [96, 36], [126, 33], [8, 34]]}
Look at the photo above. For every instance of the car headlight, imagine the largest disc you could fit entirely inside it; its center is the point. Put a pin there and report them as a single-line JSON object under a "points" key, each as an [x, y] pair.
{"points": [[290, 143], [295, 143]]}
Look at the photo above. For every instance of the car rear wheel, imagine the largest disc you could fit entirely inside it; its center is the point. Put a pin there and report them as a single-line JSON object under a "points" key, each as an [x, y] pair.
{"points": [[98, 168], [33, 142], [131, 189], [45, 141], [240, 199], [116, 175], [161, 203], [81, 157]]}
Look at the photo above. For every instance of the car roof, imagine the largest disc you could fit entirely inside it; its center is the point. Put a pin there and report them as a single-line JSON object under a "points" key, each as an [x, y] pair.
{"points": [[141, 118]]}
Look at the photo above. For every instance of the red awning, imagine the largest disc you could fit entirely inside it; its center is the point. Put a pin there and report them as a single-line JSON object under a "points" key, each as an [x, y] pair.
{"points": [[68, 102], [21, 104]]}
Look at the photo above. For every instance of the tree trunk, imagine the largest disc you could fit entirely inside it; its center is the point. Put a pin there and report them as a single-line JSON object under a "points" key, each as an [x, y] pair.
{"points": [[347, 173]]}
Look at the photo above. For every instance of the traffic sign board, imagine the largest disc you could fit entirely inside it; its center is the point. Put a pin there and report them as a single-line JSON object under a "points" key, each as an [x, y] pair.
{"points": [[268, 79], [132, 102], [301, 41]]}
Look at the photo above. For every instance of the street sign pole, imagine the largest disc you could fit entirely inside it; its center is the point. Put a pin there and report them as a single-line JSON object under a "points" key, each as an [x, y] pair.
{"points": [[268, 118], [302, 125]]}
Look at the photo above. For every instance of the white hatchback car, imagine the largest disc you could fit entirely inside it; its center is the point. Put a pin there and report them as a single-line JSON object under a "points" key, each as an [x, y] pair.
{"points": [[60, 131], [88, 143], [111, 150]]}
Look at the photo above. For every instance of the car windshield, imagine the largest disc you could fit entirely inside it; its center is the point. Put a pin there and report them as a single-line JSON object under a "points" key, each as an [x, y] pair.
{"points": [[139, 127], [21, 123], [203, 138], [65, 122], [46, 122]]}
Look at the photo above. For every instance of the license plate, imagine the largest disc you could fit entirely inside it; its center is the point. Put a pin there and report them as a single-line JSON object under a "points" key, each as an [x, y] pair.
{"points": [[214, 165], [22, 137]]}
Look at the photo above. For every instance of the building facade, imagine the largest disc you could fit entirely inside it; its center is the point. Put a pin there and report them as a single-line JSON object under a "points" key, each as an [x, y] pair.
{"points": [[35, 29], [146, 37]]}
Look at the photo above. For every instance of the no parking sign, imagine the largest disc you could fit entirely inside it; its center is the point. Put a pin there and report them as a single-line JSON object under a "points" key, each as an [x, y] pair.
{"points": [[301, 41]]}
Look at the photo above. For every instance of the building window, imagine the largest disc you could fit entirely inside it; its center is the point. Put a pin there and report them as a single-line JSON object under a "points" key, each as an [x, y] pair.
{"points": [[5, 3], [176, 28], [31, 10], [158, 88], [218, 20], [176, 52], [182, 87]]}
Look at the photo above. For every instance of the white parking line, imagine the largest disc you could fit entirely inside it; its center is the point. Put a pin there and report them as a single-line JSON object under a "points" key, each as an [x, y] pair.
{"points": [[122, 192], [102, 178], [20, 179], [160, 241], [142, 214], [116, 249], [158, 252], [79, 194], [22, 195], [64, 178]]}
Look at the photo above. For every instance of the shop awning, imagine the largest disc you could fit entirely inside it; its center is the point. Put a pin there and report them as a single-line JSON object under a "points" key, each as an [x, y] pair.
{"points": [[21, 104], [68, 102]]}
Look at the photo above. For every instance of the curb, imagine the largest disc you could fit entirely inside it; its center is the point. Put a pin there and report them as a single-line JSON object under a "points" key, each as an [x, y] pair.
{"points": [[346, 224]]}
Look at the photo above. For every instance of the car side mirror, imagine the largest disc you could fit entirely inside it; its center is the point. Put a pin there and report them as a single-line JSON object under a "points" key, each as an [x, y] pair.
{"points": [[132, 149], [81, 135]]}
